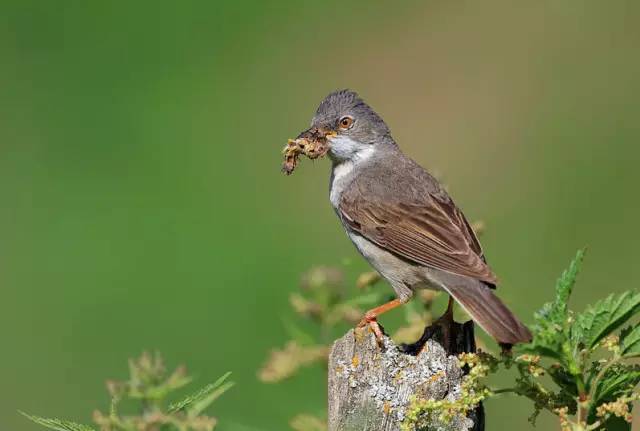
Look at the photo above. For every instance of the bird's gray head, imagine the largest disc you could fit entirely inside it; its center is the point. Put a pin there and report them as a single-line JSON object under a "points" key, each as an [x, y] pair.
{"points": [[351, 127]]}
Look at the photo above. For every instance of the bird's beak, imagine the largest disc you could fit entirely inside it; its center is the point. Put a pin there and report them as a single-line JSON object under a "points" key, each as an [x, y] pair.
{"points": [[316, 133], [314, 142]]}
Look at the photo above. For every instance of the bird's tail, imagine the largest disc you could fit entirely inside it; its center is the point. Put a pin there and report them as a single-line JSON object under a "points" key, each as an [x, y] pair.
{"points": [[488, 311]]}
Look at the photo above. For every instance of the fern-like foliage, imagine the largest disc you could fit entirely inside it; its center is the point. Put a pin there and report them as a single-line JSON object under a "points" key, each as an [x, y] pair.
{"points": [[57, 424], [196, 403], [150, 386]]}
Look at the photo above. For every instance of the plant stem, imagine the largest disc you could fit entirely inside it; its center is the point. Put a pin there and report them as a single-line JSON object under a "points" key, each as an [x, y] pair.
{"points": [[594, 426], [583, 411], [505, 391]]}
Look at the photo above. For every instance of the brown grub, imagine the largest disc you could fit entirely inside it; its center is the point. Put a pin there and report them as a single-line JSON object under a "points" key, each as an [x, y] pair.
{"points": [[311, 148]]}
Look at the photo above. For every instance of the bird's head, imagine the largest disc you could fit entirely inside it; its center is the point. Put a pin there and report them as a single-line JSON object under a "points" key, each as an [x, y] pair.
{"points": [[349, 125]]}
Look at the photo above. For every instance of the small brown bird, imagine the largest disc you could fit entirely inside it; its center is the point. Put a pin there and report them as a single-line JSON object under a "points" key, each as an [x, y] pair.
{"points": [[401, 219]]}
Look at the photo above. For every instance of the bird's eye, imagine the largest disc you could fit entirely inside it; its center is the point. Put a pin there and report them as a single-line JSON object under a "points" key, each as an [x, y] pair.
{"points": [[345, 122]]}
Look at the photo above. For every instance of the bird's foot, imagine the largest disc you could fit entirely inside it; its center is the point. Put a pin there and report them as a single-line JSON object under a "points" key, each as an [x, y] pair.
{"points": [[372, 323], [370, 319]]}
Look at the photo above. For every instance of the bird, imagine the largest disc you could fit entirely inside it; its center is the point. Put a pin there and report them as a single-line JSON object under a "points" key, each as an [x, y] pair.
{"points": [[403, 221]]}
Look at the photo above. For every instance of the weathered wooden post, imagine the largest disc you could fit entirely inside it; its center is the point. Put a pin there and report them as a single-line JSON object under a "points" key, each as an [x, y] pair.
{"points": [[370, 386]]}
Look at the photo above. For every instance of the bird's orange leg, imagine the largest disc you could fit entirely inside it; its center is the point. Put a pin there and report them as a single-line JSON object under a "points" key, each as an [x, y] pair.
{"points": [[371, 317]]}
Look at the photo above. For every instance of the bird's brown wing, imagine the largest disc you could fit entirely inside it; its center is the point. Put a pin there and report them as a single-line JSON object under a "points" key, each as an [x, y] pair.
{"points": [[433, 233]]}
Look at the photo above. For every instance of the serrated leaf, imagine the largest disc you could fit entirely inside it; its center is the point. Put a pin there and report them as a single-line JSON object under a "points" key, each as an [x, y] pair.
{"points": [[630, 341], [203, 403], [195, 403], [564, 286], [619, 380], [551, 328], [604, 317], [57, 424]]}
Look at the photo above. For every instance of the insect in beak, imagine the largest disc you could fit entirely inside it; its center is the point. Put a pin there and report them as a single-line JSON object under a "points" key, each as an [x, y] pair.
{"points": [[313, 143]]}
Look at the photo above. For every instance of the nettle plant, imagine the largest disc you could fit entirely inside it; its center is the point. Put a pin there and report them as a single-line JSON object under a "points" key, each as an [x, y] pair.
{"points": [[588, 357], [578, 366], [150, 386]]}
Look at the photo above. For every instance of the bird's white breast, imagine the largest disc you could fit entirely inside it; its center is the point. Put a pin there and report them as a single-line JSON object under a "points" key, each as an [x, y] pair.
{"points": [[347, 154], [340, 173]]}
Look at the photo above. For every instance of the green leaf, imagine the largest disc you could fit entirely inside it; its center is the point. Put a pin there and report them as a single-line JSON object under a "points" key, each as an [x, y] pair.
{"points": [[615, 423], [563, 379], [564, 286], [604, 317], [617, 381], [205, 401], [195, 403], [630, 341], [57, 424], [551, 328]]}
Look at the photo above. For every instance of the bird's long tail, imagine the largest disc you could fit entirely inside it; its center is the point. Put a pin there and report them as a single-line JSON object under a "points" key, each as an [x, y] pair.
{"points": [[488, 311]]}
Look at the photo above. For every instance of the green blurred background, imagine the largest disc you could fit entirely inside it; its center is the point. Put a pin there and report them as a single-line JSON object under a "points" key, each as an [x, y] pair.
{"points": [[143, 207]]}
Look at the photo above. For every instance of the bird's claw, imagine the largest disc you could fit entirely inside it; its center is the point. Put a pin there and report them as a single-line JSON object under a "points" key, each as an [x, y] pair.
{"points": [[374, 327]]}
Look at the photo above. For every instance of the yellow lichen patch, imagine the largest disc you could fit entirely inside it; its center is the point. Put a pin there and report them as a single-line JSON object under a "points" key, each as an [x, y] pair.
{"points": [[437, 376], [355, 361], [359, 334], [386, 407]]}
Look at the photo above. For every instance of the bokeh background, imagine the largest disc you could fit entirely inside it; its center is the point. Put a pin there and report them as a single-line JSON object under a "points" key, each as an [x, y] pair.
{"points": [[142, 205]]}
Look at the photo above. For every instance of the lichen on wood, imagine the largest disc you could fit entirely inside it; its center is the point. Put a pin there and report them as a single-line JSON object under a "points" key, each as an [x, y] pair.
{"points": [[372, 386]]}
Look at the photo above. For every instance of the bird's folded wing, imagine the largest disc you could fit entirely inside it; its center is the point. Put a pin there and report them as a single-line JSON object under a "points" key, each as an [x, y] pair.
{"points": [[434, 233]]}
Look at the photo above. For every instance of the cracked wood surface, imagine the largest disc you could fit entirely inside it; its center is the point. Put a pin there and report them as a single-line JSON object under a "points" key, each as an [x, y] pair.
{"points": [[370, 385]]}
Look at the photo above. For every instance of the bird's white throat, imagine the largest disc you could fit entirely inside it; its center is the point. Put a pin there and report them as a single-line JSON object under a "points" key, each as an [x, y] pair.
{"points": [[343, 149], [347, 153]]}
